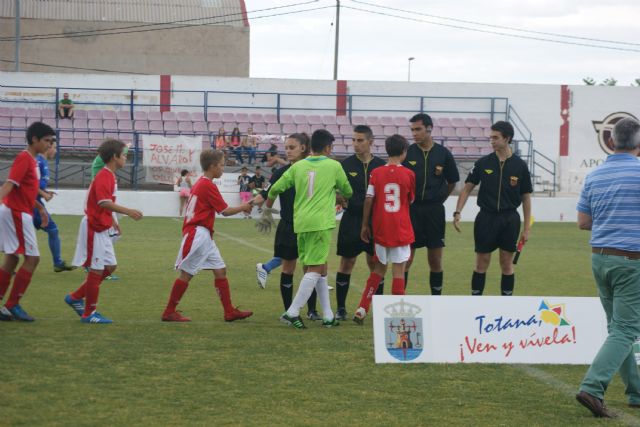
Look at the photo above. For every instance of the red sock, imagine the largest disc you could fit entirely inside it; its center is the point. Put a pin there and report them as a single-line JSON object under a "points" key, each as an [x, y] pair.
{"points": [[397, 287], [20, 285], [372, 286], [5, 280], [81, 292], [179, 288], [222, 287], [92, 287]]}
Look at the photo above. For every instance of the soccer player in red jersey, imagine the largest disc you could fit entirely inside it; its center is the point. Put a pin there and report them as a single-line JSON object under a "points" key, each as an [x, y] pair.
{"points": [[94, 247], [198, 251], [17, 233], [391, 191]]}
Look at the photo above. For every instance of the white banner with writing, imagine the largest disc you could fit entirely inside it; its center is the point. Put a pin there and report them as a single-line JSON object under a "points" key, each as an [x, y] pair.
{"points": [[164, 157], [467, 329]]}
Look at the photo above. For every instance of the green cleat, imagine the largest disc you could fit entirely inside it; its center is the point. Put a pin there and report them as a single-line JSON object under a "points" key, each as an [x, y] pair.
{"points": [[295, 321], [63, 267], [330, 323]]}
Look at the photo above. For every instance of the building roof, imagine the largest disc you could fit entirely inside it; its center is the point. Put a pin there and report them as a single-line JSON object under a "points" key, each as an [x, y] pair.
{"points": [[223, 12]]}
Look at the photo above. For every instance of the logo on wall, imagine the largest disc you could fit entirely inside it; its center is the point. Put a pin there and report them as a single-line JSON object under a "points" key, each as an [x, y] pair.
{"points": [[605, 127], [403, 330]]}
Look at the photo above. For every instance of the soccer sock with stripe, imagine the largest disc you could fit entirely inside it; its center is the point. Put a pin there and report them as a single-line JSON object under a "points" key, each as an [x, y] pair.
{"points": [[322, 288], [81, 292], [92, 287], [286, 289], [342, 289], [506, 284], [20, 285], [380, 290], [272, 264], [307, 285], [369, 290], [178, 290], [397, 286], [435, 282], [477, 283], [222, 288], [5, 280], [311, 303]]}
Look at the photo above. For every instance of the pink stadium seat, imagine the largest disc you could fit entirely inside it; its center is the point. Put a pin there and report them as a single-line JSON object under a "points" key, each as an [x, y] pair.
{"points": [[343, 120], [228, 117], [183, 116], [346, 130], [31, 120], [300, 119], [49, 113], [5, 122], [286, 118], [457, 122], [197, 117], [263, 146], [377, 130], [358, 120], [5, 140], [213, 117], [314, 119], [405, 131], [259, 128], [471, 123], [80, 124], [372, 121], [329, 120], [436, 132], [256, 118], [18, 112], [333, 129], [463, 132], [140, 115], [169, 116], [125, 125], [484, 123], [18, 133], [123, 115], [453, 143], [110, 125], [242, 118], [315, 127], [243, 126], [94, 115], [288, 128], [386, 121], [141, 126], [200, 127], [473, 151], [401, 121], [96, 135], [185, 127], [50, 122], [66, 134], [486, 150], [125, 136], [303, 127], [67, 124], [443, 122], [458, 151], [389, 130], [20, 122], [214, 127], [273, 128], [171, 126], [448, 132], [34, 112], [77, 114], [155, 126], [81, 134], [5, 112], [109, 115], [229, 126], [487, 132], [154, 116], [270, 118], [476, 132]]}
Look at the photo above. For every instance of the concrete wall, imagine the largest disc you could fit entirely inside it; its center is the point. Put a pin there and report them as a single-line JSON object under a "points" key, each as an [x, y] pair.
{"points": [[207, 50]]}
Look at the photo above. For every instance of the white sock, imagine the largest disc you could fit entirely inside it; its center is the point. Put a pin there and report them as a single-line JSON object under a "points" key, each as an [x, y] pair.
{"points": [[307, 285], [322, 289]]}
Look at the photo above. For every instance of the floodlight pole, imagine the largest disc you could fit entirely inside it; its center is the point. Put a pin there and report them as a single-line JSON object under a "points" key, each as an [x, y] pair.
{"points": [[17, 40], [335, 50], [411, 58]]}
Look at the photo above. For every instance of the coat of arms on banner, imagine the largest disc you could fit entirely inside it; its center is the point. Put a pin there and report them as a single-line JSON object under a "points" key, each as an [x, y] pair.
{"points": [[403, 337]]}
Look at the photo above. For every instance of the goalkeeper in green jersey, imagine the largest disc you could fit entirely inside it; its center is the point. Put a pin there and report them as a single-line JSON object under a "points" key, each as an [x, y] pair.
{"points": [[315, 179]]}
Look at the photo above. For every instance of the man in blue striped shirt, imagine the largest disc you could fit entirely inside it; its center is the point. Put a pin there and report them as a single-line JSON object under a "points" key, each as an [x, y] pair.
{"points": [[609, 206]]}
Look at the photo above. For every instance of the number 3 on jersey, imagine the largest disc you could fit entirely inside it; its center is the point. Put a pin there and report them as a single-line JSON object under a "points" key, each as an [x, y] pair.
{"points": [[392, 197]]}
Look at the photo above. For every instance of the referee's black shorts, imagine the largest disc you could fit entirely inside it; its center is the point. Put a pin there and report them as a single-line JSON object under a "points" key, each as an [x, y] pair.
{"points": [[493, 230], [286, 243], [350, 244], [428, 224]]}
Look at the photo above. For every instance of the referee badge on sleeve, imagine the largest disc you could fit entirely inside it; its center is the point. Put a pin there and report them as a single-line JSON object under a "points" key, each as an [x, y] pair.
{"points": [[513, 180]]}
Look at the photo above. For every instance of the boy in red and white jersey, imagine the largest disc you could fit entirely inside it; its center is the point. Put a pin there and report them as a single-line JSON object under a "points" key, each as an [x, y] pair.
{"points": [[17, 233], [94, 248], [391, 191], [198, 251]]}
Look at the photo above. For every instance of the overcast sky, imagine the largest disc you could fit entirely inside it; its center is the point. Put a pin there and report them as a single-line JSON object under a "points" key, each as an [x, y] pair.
{"points": [[377, 47]]}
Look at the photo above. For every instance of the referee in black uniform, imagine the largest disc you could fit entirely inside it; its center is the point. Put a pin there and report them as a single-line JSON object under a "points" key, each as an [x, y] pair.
{"points": [[505, 183], [436, 176], [358, 168]]}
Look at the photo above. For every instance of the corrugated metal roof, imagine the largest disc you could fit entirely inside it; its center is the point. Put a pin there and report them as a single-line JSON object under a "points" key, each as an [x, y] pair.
{"points": [[224, 12]]}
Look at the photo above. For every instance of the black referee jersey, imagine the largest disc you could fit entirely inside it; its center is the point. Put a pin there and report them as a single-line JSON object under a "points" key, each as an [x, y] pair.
{"points": [[358, 174], [286, 198], [502, 184], [434, 170]]}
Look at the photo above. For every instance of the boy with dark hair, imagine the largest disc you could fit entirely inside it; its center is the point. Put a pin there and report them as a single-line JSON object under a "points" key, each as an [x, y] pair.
{"points": [[390, 192], [17, 233], [244, 182], [315, 180], [198, 250], [94, 247], [505, 183]]}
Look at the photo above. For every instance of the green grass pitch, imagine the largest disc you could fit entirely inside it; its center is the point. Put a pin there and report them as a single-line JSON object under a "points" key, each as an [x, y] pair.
{"points": [[140, 371]]}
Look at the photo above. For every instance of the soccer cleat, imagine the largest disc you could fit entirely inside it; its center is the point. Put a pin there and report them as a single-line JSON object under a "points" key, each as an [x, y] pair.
{"points": [[18, 313], [359, 316], [237, 315], [330, 323], [261, 275], [63, 267], [313, 315], [76, 304], [112, 277], [341, 314], [95, 317], [175, 316], [294, 321], [5, 314]]}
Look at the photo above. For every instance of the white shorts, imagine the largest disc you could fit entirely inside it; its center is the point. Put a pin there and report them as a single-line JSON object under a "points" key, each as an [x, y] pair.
{"points": [[17, 233], [93, 249], [396, 255], [198, 252]]}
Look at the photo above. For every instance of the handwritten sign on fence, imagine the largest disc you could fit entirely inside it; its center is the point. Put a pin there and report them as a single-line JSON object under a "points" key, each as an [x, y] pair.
{"points": [[460, 329], [164, 157]]}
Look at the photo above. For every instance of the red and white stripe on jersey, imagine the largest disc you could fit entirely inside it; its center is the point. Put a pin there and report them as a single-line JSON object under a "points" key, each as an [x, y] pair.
{"points": [[94, 249], [205, 201], [103, 188], [17, 233], [25, 174], [393, 190], [198, 252]]}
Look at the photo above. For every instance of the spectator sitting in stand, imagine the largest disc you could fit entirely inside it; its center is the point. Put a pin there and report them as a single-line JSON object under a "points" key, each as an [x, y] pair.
{"points": [[221, 139], [235, 144], [65, 107], [248, 145]]}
